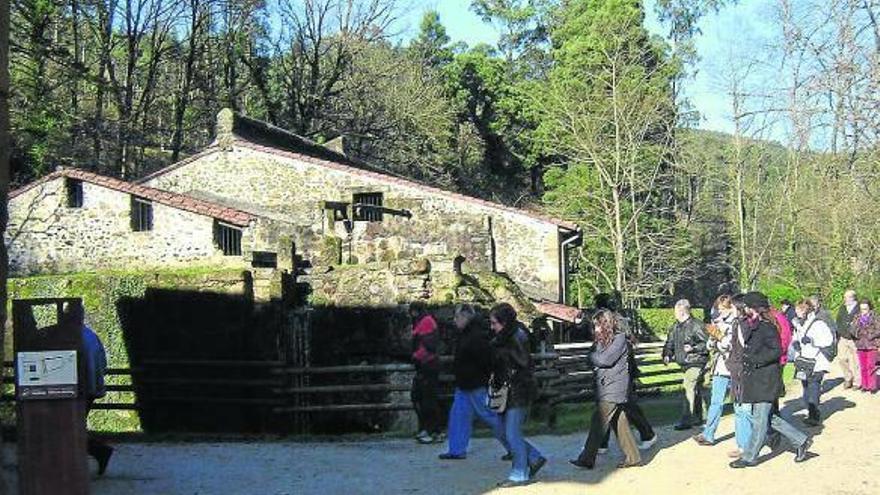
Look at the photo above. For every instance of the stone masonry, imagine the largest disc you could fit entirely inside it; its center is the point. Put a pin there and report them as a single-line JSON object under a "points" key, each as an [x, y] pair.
{"points": [[46, 236], [419, 221]]}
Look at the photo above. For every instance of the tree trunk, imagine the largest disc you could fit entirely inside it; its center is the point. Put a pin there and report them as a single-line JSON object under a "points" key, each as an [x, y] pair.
{"points": [[4, 181]]}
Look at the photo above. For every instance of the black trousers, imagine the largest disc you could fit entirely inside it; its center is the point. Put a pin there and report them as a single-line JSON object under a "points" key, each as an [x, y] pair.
{"points": [[608, 416], [96, 448], [637, 418], [425, 401]]}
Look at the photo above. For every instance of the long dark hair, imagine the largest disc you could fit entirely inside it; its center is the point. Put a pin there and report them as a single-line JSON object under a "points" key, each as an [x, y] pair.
{"points": [[605, 326], [504, 314]]}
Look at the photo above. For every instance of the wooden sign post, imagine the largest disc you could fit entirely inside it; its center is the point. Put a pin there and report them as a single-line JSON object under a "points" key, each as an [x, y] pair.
{"points": [[50, 412]]}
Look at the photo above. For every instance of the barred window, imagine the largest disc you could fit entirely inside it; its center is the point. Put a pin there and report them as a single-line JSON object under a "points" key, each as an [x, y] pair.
{"points": [[74, 192], [141, 214], [367, 214], [227, 238]]}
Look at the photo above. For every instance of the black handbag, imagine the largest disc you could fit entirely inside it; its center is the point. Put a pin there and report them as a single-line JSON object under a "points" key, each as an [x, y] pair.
{"points": [[803, 367]]}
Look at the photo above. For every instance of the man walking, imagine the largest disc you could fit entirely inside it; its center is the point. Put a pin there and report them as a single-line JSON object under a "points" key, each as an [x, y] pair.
{"points": [[846, 346], [686, 345], [92, 385]]}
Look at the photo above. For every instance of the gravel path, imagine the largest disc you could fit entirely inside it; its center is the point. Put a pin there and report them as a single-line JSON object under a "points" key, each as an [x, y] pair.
{"points": [[846, 461]]}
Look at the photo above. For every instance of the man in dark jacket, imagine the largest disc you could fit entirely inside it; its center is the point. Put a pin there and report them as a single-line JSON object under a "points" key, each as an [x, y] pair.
{"points": [[846, 347], [761, 382], [686, 345], [472, 367]]}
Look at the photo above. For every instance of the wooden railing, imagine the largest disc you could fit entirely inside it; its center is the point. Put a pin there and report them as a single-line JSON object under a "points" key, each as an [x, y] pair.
{"points": [[564, 375]]}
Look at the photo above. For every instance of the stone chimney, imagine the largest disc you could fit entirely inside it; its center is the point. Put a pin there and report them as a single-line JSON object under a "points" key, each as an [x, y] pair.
{"points": [[340, 144], [223, 129]]}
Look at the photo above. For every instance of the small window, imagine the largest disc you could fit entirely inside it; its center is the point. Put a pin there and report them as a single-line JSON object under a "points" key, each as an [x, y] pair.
{"points": [[74, 193], [227, 238], [141, 214], [363, 202]]}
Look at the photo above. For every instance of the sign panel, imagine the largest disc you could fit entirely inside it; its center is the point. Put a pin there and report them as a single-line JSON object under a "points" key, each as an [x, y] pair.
{"points": [[46, 375]]}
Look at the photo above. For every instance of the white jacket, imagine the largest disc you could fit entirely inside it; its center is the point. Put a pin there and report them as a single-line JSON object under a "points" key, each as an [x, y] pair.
{"points": [[821, 336], [722, 346]]}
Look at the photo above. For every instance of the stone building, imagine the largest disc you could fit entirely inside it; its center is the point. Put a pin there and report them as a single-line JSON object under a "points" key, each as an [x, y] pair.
{"points": [[72, 220], [350, 212], [284, 202]]}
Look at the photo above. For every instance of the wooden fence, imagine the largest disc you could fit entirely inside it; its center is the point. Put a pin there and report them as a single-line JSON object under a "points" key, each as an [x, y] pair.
{"points": [[278, 390]]}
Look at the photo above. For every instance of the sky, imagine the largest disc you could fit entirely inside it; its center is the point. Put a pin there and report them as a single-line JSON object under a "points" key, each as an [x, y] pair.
{"points": [[728, 38]]}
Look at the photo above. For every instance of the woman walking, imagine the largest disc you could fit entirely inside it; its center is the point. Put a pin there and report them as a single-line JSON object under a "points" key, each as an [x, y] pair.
{"points": [[427, 378], [762, 381], [866, 329], [811, 337], [720, 343], [512, 366], [611, 361], [472, 368]]}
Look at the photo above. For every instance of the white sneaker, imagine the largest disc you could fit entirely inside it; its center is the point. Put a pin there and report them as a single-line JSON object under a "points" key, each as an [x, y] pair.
{"points": [[647, 444], [603, 451], [424, 437]]}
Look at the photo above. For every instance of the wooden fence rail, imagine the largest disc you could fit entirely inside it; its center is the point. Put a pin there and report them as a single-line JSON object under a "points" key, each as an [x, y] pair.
{"points": [[564, 375]]}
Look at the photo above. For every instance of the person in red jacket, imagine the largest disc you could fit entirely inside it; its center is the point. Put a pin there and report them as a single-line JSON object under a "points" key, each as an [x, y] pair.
{"points": [[785, 332], [426, 381]]}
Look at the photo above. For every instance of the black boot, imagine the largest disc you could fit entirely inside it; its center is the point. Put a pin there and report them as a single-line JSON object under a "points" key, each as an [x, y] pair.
{"points": [[814, 417]]}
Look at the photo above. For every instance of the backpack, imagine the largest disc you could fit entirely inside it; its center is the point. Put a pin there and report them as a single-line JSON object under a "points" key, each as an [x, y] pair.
{"points": [[830, 352]]}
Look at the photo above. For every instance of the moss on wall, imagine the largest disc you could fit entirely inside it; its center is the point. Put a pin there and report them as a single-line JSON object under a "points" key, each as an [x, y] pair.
{"points": [[101, 293]]}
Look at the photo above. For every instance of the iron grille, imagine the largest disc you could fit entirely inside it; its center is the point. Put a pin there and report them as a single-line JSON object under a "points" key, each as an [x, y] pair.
{"points": [[227, 238], [367, 214]]}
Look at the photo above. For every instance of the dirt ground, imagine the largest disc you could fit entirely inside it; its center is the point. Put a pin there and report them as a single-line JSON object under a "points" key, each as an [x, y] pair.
{"points": [[846, 461]]}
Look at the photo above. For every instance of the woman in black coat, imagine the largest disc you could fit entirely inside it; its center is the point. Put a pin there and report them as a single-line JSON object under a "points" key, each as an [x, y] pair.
{"points": [[759, 383], [610, 358], [512, 365]]}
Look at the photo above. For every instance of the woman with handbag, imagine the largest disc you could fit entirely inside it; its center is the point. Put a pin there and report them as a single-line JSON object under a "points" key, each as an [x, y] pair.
{"points": [[811, 337], [610, 359], [866, 329], [512, 388]]}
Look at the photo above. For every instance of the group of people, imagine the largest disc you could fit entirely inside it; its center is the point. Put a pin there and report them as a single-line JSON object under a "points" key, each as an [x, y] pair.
{"points": [[494, 360], [743, 349]]}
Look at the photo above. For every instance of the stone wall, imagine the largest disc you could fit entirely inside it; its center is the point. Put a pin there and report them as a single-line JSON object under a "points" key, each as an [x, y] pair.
{"points": [[442, 226], [47, 236]]}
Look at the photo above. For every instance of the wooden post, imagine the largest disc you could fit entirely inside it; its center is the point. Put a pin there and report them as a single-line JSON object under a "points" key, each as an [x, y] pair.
{"points": [[51, 414]]}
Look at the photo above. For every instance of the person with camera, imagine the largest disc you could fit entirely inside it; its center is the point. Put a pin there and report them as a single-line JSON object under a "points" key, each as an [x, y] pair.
{"points": [[812, 338], [686, 345]]}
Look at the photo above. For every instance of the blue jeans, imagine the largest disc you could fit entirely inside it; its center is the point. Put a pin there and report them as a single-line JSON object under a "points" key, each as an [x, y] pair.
{"points": [[716, 406], [524, 453], [760, 414], [813, 388], [465, 404], [742, 425]]}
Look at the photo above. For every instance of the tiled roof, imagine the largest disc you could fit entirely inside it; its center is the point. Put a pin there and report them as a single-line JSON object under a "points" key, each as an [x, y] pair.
{"points": [[262, 136], [559, 311], [174, 200]]}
